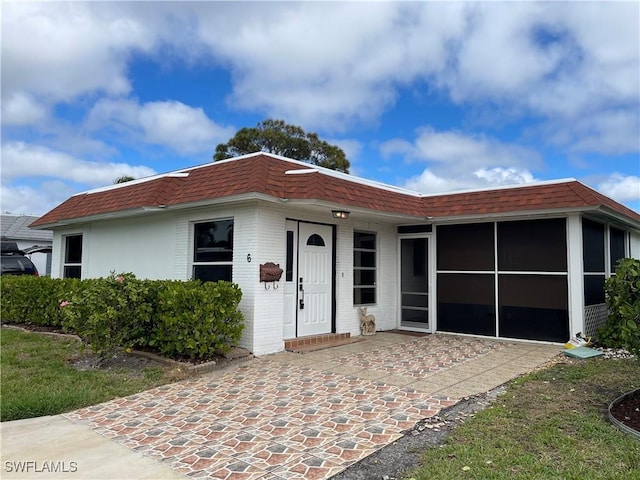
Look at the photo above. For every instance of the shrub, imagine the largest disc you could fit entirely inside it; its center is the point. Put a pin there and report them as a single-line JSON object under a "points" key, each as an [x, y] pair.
{"points": [[622, 291], [110, 313], [179, 319], [197, 319], [35, 300]]}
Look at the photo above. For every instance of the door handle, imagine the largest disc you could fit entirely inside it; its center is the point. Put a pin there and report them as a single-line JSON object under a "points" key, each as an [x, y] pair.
{"points": [[301, 295]]}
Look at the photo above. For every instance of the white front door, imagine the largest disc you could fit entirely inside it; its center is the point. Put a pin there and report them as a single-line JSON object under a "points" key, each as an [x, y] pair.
{"points": [[308, 296]]}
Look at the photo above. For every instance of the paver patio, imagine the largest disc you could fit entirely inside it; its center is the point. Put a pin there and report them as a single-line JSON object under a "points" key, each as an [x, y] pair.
{"points": [[307, 416]]}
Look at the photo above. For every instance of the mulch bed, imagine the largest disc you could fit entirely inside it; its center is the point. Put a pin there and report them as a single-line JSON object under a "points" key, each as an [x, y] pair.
{"points": [[627, 411], [137, 361]]}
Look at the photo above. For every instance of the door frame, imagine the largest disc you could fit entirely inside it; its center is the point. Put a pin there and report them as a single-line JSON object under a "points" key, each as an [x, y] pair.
{"points": [[431, 281], [296, 264]]}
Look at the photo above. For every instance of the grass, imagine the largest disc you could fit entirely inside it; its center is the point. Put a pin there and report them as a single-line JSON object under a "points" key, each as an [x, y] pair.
{"points": [[549, 425], [37, 378]]}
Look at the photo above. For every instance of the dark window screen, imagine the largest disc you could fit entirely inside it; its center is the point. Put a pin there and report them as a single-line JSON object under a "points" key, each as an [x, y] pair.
{"points": [[466, 247], [593, 289], [593, 246], [534, 307], [415, 228], [213, 241], [466, 303], [364, 240], [532, 246], [289, 274], [616, 242], [72, 271], [212, 273], [364, 259], [315, 240], [73, 249], [364, 296]]}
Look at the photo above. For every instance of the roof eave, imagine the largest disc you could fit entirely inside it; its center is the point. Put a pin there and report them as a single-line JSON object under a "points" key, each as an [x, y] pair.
{"points": [[514, 214], [154, 209], [617, 217], [398, 216], [555, 212]]}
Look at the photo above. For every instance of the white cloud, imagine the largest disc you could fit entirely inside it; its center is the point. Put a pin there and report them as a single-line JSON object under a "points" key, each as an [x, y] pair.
{"points": [[430, 182], [623, 188], [458, 152], [171, 124], [504, 176], [25, 160], [34, 199], [61, 50], [22, 109], [329, 65], [456, 161]]}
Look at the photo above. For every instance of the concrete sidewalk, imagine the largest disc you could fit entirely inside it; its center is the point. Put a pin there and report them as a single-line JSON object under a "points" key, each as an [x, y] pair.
{"points": [[55, 448], [280, 416]]}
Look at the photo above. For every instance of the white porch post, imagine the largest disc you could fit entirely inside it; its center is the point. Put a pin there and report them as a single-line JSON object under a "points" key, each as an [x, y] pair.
{"points": [[575, 274]]}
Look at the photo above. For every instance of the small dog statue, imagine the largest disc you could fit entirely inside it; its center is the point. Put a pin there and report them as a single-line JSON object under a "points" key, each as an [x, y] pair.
{"points": [[367, 322]]}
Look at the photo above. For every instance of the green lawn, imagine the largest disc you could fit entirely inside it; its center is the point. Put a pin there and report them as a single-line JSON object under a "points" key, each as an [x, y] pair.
{"points": [[37, 378], [549, 425]]}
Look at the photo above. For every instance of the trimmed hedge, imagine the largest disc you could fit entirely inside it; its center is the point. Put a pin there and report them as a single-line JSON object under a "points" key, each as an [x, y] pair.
{"points": [[197, 320], [177, 319], [35, 300]]}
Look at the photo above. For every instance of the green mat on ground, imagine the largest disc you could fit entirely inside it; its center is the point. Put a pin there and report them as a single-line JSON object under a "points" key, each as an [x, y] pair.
{"points": [[582, 352]]}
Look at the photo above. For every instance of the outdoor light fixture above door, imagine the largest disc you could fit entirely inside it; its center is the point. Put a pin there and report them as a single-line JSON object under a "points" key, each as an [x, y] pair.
{"points": [[343, 214]]}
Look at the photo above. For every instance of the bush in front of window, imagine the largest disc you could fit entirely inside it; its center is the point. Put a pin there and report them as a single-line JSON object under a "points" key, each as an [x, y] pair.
{"points": [[197, 320]]}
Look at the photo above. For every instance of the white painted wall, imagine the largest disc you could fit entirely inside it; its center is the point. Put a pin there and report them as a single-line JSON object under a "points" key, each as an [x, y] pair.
{"points": [[386, 307], [143, 246]]}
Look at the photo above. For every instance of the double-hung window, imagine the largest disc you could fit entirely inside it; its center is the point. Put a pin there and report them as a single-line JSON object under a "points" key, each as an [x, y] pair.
{"points": [[364, 268], [72, 267], [213, 251]]}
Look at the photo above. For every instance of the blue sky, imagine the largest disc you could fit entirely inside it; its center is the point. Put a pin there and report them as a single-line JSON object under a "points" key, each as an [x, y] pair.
{"points": [[431, 96]]}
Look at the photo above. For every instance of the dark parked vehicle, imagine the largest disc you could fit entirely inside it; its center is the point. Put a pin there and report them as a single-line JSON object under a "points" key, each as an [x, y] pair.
{"points": [[14, 262]]}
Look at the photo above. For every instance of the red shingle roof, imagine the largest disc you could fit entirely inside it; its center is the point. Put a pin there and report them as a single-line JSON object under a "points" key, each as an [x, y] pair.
{"points": [[565, 195], [266, 174]]}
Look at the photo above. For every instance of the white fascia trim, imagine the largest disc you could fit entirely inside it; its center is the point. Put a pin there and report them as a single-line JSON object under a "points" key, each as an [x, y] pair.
{"points": [[521, 215], [619, 217]]}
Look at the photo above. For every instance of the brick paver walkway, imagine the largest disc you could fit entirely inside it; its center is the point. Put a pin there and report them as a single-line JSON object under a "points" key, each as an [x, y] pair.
{"points": [[289, 416]]}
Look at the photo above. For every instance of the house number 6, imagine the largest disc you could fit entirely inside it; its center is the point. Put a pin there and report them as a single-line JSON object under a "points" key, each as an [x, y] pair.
{"points": [[249, 257]]}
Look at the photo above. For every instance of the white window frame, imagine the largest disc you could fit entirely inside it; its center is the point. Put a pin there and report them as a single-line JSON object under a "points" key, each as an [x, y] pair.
{"points": [[360, 268], [194, 263], [65, 262]]}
